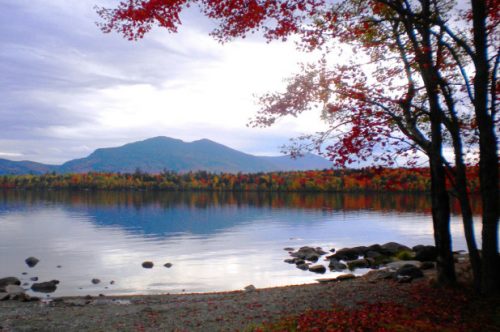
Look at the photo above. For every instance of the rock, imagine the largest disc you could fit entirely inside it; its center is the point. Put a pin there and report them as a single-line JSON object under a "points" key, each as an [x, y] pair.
{"points": [[427, 265], [409, 271], [34, 278], [31, 261], [308, 253], [290, 260], [8, 281], [147, 265], [332, 250], [317, 269], [303, 266], [398, 264], [168, 265], [346, 254], [250, 288], [335, 265], [344, 277], [320, 251], [392, 248], [425, 253], [298, 261], [358, 263], [4, 296], [373, 254], [375, 247], [14, 290], [95, 281], [361, 250], [112, 282], [288, 249], [375, 275], [326, 280], [45, 287]]}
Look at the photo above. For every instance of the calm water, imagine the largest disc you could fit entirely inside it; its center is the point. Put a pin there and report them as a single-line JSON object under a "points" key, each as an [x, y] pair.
{"points": [[215, 242]]}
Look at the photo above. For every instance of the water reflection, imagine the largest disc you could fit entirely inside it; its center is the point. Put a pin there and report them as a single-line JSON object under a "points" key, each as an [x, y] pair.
{"points": [[216, 241], [202, 200]]}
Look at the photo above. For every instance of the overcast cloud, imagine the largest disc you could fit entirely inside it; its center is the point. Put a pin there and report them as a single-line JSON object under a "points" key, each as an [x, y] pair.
{"points": [[67, 89]]}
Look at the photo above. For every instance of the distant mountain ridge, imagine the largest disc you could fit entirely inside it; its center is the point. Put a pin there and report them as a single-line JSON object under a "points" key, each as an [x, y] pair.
{"points": [[161, 153]]}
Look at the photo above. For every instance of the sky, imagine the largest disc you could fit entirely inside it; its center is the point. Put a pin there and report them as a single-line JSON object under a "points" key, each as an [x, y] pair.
{"points": [[67, 89]]}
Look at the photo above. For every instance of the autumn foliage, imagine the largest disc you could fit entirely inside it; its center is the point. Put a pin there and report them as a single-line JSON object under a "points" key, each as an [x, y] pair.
{"points": [[428, 309], [371, 179]]}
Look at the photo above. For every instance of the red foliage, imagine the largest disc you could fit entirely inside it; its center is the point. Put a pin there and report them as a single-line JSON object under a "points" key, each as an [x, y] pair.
{"points": [[428, 309], [278, 19]]}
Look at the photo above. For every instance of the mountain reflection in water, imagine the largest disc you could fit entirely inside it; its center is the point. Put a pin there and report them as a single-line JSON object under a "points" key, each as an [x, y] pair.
{"points": [[215, 241]]}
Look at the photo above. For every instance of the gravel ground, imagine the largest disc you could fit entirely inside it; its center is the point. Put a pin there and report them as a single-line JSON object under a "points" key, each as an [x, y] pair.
{"points": [[228, 311]]}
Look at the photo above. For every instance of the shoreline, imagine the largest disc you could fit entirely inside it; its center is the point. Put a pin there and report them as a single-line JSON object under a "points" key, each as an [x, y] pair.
{"points": [[232, 310], [235, 310]]}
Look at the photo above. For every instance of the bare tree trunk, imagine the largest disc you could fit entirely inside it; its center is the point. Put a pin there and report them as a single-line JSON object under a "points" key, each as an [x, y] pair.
{"points": [[441, 221], [488, 155]]}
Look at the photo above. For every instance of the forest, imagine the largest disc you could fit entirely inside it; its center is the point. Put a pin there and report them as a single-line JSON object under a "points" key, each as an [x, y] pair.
{"points": [[371, 179]]}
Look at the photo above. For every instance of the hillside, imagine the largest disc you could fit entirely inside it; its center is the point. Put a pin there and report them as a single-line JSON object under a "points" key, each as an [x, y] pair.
{"points": [[163, 153]]}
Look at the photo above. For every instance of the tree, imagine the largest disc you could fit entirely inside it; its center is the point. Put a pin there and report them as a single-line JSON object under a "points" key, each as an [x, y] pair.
{"points": [[407, 89]]}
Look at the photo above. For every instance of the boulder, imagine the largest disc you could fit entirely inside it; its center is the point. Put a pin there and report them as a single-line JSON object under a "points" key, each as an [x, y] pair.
{"points": [[31, 261], [4, 296], [375, 247], [45, 287], [409, 271], [4, 282], [375, 275], [299, 261], [320, 251], [147, 265], [34, 278], [317, 269], [425, 253], [289, 249], [250, 288], [344, 277], [361, 250], [358, 263], [308, 253], [335, 265], [14, 290], [326, 280], [398, 264], [95, 281], [168, 265], [303, 266], [392, 248], [346, 254], [372, 254]]}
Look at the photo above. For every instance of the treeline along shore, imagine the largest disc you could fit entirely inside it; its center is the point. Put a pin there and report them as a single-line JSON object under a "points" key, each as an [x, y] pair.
{"points": [[372, 179]]}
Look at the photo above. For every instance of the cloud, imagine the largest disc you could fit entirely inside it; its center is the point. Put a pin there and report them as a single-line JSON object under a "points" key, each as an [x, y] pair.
{"points": [[66, 85]]}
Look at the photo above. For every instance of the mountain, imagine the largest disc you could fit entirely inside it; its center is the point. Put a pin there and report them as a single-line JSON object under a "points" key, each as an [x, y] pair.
{"points": [[24, 167], [163, 153]]}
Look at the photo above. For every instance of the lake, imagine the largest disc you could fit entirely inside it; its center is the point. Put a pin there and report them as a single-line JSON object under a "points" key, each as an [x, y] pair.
{"points": [[214, 241]]}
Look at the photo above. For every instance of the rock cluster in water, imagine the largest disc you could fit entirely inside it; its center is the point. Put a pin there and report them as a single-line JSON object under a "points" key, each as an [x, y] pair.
{"points": [[401, 262]]}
